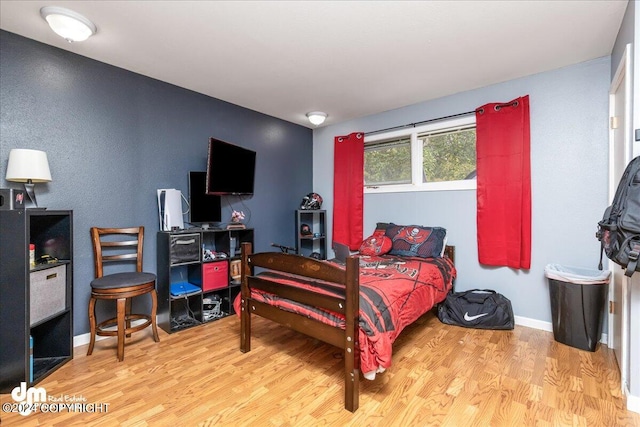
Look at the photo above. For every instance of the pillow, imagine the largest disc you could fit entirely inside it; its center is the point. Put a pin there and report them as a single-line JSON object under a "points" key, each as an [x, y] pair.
{"points": [[376, 244], [416, 240]]}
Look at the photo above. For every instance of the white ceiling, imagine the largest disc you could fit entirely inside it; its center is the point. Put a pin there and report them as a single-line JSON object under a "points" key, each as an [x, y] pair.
{"points": [[346, 58]]}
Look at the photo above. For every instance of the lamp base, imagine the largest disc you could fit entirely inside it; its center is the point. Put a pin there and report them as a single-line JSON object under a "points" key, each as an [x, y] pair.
{"points": [[30, 202]]}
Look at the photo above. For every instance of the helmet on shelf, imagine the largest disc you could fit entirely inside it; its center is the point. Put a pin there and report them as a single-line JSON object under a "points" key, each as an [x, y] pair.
{"points": [[311, 201]]}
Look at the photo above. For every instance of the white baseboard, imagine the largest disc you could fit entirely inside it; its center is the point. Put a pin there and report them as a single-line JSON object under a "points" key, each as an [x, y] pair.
{"points": [[546, 326], [633, 402], [83, 339], [533, 323]]}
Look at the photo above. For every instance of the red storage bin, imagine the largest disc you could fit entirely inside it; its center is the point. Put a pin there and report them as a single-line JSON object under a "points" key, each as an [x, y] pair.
{"points": [[215, 275]]}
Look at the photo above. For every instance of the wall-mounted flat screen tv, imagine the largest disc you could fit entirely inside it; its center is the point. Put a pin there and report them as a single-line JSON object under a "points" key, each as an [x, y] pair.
{"points": [[203, 208], [230, 169]]}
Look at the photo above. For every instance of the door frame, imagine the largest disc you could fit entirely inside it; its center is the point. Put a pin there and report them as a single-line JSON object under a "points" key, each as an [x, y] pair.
{"points": [[622, 76]]}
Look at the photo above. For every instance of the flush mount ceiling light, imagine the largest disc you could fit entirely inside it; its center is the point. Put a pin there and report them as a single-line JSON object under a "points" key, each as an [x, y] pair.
{"points": [[68, 24], [316, 117]]}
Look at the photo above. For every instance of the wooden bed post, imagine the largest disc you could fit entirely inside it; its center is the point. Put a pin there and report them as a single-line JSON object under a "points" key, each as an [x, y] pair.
{"points": [[245, 315], [352, 344]]}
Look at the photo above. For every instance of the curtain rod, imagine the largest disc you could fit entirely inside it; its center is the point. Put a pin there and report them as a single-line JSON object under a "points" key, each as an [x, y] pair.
{"points": [[497, 107], [419, 123]]}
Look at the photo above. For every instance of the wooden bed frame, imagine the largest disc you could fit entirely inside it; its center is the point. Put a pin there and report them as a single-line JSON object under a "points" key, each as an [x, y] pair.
{"points": [[349, 306]]}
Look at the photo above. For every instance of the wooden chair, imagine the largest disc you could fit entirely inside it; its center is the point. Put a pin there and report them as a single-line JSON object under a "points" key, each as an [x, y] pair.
{"points": [[109, 246]]}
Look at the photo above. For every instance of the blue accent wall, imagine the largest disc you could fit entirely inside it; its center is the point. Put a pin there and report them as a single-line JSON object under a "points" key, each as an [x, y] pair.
{"points": [[113, 137]]}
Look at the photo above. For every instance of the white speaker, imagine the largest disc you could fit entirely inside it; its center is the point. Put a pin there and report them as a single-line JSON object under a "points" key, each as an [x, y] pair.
{"points": [[170, 209]]}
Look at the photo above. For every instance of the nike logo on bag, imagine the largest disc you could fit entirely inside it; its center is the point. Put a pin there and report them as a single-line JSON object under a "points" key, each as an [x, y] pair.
{"points": [[470, 318]]}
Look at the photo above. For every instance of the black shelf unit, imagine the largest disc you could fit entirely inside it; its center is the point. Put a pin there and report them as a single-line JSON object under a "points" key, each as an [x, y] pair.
{"points": [[180, 259], [316, 242], [36, 302]]}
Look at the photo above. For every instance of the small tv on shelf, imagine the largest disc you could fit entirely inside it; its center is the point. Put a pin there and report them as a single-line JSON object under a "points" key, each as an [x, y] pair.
{"points": [[230, 169], [203, 208]]}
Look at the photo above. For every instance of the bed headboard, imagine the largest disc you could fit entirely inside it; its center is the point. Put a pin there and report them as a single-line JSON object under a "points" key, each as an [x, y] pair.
{"points": [[450, 252]]}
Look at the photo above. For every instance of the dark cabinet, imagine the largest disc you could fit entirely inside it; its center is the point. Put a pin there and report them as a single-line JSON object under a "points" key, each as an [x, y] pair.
{"points": [[311, 233], [36, 319], [198, 275]]}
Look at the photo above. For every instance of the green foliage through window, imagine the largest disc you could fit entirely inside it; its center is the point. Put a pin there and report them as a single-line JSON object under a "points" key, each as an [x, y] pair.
{"points": [[448, 156], [388, 162]]}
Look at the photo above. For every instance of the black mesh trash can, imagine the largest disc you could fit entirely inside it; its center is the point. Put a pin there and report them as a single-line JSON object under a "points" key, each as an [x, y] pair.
{"points": [[578, 298]]}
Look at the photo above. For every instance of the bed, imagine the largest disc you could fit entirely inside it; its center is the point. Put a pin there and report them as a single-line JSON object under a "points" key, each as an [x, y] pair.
{"points": [[359, 307]]}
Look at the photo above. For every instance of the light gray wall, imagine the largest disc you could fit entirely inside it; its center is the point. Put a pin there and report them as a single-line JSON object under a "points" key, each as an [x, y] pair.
{"points": [[113, 137], [569, 146], [625, 35]]}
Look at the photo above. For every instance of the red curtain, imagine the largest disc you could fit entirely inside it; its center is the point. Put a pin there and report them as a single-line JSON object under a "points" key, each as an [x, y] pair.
{"points": [[348, 181], [504, 184]]}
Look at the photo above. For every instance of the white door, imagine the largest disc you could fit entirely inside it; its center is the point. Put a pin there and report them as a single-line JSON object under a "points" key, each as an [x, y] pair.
{"points": [[619, 157]]}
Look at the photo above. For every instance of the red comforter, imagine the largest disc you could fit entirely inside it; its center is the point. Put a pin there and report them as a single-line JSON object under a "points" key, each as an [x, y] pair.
{"points": [[394, 292]]}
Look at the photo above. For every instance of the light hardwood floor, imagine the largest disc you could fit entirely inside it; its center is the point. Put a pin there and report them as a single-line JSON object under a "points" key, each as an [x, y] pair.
{"points": [[441, 376]]}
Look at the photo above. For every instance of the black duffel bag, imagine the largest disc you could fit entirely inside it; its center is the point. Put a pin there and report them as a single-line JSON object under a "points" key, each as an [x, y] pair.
{"points": [[477, 308]]}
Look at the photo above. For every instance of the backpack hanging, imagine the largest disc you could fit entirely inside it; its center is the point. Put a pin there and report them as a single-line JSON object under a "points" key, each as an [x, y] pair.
{"points": [[619, 230]]}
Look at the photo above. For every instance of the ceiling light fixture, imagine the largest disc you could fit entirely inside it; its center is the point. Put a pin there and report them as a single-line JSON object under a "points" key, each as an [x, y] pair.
{"points": [[68, 24], [316, 117]]}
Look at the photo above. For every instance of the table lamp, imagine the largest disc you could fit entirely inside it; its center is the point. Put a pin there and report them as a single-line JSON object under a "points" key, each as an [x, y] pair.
{"points": [[30, 167]]}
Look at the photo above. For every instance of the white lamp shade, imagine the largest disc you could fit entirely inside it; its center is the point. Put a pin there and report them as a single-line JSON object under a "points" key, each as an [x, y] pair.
{"points": [[68, 24], [25, 165]]}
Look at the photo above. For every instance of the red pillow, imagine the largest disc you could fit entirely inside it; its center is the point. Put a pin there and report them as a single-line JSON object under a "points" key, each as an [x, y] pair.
{"points": [[376, 244]]}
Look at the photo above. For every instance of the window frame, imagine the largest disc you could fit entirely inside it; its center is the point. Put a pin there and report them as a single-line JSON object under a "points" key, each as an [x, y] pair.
{"points": [[416, 158]]}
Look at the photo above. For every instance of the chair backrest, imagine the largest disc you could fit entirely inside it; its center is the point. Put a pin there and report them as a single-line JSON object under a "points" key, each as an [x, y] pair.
{"points": [[117, 245]]}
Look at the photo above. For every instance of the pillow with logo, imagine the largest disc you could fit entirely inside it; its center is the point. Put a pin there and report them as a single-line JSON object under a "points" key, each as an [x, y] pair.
{"points": [[376, 244], [416, 240]]}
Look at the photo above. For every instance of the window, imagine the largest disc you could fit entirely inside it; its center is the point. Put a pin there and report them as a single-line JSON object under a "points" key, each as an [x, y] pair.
{"points": [[388, 162], [437, 156], [448, 155]]}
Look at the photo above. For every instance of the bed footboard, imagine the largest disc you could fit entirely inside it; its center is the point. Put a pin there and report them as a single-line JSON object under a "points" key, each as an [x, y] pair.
{"points": [[308, 268]]}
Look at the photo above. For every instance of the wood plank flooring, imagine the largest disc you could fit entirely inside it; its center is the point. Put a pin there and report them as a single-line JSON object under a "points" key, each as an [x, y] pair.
{"points": [[441, 376]]}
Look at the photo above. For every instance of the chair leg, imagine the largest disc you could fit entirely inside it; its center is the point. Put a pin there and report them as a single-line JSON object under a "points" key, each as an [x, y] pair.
{"points": [[92, 324], [154, 309], [127, 316], [121, 326]]}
